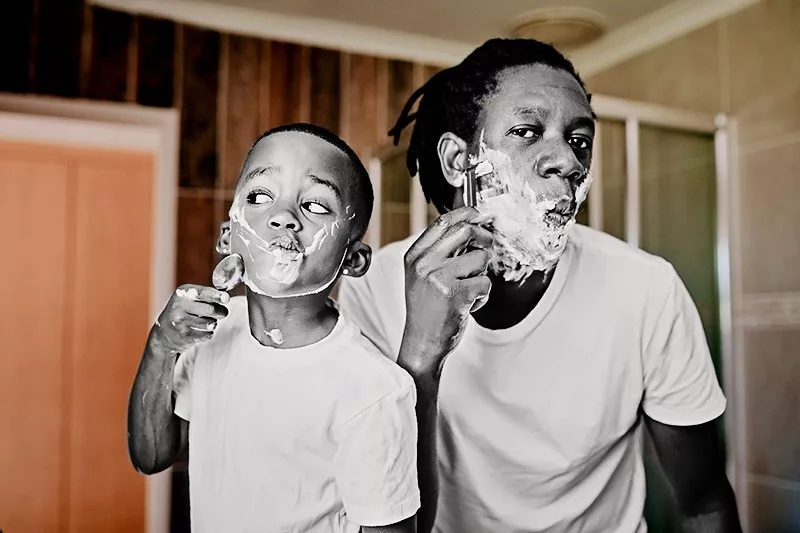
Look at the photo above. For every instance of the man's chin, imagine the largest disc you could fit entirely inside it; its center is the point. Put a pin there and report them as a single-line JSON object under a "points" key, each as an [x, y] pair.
{"points": [[515, 264]]}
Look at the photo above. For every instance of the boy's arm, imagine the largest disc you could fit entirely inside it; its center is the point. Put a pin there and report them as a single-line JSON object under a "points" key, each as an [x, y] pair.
{"points": [[409, 525], [157, 437]]}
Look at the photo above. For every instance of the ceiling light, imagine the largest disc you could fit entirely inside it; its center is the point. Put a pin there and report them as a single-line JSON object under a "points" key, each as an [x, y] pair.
{"points": [[565, 28]]}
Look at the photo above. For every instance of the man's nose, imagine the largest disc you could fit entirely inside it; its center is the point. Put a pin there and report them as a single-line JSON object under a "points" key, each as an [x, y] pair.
{"points": [[283, 217], [557, 160]]}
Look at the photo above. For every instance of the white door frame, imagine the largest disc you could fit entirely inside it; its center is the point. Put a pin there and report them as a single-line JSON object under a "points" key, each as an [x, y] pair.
{"points": [[125, 127]]}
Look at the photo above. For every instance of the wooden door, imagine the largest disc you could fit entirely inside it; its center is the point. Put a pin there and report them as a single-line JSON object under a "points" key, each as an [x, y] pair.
{"points": [[75, 311]]}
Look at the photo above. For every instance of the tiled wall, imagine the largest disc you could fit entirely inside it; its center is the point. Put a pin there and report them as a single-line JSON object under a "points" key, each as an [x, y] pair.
{"points": [[748, 66], [228, 88]]}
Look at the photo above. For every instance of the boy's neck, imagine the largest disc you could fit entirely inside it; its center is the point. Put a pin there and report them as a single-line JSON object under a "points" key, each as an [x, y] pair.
{"points": [[290, 322]]}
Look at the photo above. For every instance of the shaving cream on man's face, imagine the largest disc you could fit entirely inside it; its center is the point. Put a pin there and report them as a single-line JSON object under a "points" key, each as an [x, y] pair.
{"points": [[531, 231]]}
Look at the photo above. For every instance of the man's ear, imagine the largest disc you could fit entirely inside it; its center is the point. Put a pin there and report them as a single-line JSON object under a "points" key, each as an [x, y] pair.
{"points": [[453, 156], [224, 241], [357, 261]]}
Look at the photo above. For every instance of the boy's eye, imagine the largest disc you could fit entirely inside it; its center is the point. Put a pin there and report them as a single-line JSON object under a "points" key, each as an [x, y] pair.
{"points": [[316, 208], [258, 198]]}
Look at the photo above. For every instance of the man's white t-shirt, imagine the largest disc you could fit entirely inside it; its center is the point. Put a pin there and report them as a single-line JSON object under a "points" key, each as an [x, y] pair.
{"points": [[314, 439], [539, 423]]}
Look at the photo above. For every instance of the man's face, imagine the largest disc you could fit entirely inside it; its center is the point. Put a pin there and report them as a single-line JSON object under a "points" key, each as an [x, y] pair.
{"points": [[537, 132], [293, 215]]}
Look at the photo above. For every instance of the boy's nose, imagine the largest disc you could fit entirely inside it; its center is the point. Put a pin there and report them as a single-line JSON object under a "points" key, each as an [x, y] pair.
{"points": [[284, 219]]}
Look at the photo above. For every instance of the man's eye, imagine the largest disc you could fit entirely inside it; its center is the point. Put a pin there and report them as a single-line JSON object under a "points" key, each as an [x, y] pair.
{"points": [[580, 143], [525, 133], [315, 208], [258, 198]]}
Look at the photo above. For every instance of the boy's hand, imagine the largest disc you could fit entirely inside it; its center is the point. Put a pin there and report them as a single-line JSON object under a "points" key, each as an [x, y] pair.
{"points": [[189, 318]]}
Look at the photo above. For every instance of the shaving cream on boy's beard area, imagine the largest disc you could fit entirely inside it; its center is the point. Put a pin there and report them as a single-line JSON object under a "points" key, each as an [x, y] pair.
{"points": [[267, 264], [528, 237]]}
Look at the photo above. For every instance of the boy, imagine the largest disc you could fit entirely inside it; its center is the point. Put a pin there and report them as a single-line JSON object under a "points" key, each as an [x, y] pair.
{"points": [[297, 422]]}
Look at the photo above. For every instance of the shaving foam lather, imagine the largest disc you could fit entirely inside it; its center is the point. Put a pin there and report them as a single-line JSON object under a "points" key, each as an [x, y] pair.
{"points": [[481, 181]]}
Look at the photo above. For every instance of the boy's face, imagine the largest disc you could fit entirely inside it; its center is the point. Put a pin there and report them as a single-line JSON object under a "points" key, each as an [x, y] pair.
{"points": [[293, 215]]}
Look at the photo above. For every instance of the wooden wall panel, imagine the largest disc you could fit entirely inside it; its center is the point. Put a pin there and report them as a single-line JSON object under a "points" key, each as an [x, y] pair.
{"points": [[239, 104], [16, 26], [58, 47], [156, 62], [108, 67], [198, 157], [325, 88], [366, 117], [197, 232], [289, 90], [401, 85]]}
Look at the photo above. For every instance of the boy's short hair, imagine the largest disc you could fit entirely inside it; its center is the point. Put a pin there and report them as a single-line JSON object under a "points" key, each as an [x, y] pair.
{"points": [[363, 182]]}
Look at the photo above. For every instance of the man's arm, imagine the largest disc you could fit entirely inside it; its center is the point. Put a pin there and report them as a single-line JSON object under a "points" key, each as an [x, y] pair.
{"points": [[157, 437], [695, 467], [408, 525]]}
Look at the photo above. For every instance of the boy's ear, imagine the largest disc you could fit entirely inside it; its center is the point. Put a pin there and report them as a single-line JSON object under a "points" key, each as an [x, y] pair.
{"points": [[224, 241], [453, 157], [357, 261]]}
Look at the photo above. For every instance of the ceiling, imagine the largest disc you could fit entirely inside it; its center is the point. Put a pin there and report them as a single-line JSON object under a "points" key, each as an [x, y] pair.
{"points": [[464, 21]]}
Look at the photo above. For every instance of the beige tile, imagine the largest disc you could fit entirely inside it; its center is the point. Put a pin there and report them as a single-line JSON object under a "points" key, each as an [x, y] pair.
{"points": [[770, 116], [683, 73], [772, 372], [770, 219], [678, 223], [773, 509], [763, 44], [663, 151]]}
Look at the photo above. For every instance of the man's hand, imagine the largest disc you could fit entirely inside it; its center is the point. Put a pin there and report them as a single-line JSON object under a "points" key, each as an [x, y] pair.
{"points": [[445, 276], [189, 318]]}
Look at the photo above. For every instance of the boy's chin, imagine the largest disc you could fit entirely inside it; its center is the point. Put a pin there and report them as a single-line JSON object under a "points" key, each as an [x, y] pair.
{"points": [[297, 288]]}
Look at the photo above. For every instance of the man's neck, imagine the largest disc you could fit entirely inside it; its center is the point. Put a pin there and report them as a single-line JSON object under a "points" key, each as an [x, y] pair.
{"points": [[290, 322], [509, 303]]}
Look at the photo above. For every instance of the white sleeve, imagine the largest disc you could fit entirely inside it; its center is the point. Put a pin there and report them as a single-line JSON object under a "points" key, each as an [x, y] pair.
{"points": [[680, 385], [376, 461], [358, 303], [182, 383]]}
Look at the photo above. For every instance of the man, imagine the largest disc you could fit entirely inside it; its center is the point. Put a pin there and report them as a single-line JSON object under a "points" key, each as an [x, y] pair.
{"points": [[531, 400]]}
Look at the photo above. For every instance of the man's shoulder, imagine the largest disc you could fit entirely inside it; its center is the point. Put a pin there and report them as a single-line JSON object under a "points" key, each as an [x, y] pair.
{"points": [[616, 259], [393, 253], [368, 365]]}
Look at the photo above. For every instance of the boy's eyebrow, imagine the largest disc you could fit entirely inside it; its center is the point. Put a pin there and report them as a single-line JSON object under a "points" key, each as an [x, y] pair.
{"points": [[327, 183], [260, 171]]}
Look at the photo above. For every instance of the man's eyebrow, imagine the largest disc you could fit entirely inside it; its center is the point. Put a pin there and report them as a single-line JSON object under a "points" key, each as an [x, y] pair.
{"points": [[326, 183], [583, 122], [260, 171]]}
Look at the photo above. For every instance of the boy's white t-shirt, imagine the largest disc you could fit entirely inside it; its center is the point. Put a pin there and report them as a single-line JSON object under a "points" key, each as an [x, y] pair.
{"points": [[539, 423], [314, 439]]}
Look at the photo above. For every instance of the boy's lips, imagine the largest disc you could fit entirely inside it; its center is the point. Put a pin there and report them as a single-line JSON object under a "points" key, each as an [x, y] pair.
{"points": [[286, 244]]}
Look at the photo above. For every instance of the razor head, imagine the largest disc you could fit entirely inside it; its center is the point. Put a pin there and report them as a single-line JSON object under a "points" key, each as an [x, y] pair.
{"points": [[482, 183]]}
